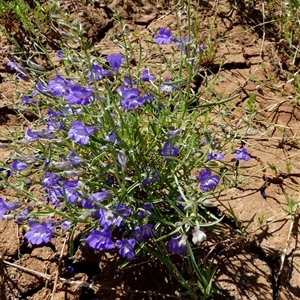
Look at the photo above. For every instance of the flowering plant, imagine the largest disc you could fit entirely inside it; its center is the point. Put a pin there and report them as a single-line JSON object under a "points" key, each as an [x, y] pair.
{"points": [[117, 154]]}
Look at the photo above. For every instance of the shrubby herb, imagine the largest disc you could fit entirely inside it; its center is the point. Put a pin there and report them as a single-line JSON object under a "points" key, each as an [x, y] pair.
{"points": [[114, 156]]}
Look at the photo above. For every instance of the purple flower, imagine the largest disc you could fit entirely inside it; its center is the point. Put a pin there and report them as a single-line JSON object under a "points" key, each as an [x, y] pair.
{"points": [[66, 225], [146, 211], [183, 44], [4, 207], [128, 82], [54, 114], [31, 136], [79, 95], [198, 236], [109, 181], [131, 98], [74, 159], [50, 180], [46, 163], [55, 195], [207, 180], [126, 248], [42, 88], [215, 156], [60, 54], [100, 240], [123, 210], [146, 76], [242, 154], [112, 137], [164, 37], [70, 269], [91, 202], [18, 165], [91, 281], [177, 244], [60, 86], [181, 203], [148, 98], [175, 134], [169, 150], [21, 75], [28, 182], [141, 233], [80, 133], [20, 218], [152, 176], [39, 232], [168, 86], [71, 191], [97, 73], [107, 218], [28, 100], [146, 181], [87, 204], [115, 61], [200, 49], [100, 196], [16, 67], [53, 125]]}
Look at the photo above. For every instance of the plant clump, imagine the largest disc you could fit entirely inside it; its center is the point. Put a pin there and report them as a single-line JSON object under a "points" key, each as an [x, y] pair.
{"points": [[117, 154]]}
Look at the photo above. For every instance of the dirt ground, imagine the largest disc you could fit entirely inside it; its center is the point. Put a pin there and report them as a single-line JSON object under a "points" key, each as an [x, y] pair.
{"points": [[263, 264]]}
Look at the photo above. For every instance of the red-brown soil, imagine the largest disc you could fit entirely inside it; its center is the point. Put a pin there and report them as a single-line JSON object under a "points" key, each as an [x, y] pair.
{"points": [[264, 263]]}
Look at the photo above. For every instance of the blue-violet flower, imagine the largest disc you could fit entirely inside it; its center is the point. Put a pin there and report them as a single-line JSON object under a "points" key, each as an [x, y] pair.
{"points": [[100, 240], [115, 61], [80, 133], [126, 248], [177, 244], [4, 207], [164, 36], [207, 180], [39, 232], [242, 154]]}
